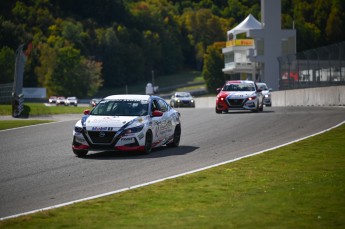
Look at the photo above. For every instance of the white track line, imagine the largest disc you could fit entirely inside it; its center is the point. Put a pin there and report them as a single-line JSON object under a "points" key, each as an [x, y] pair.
{"points": [[50, 121], [167, 178]]}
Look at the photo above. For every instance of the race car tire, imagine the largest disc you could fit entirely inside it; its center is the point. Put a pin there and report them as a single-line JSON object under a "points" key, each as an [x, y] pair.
{"points": [[218, 111], [176, 138], [262, 106], [80, 153], [257, 108], [148, 142]]}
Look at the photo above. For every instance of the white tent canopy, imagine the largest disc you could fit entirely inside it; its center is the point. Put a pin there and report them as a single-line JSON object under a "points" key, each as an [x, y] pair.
{"points": [[247, 24]]}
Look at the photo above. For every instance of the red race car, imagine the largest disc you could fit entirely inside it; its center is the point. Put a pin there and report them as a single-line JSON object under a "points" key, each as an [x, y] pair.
{"points": [[239, 95]]}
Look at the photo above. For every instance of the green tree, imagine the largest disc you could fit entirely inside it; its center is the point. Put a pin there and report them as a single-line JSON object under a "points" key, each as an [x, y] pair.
{"points": [[212, 70], [88, 77], [73, 31], [202, 29], [64, 71], [7, 63], [159, 37], [335, 23]]}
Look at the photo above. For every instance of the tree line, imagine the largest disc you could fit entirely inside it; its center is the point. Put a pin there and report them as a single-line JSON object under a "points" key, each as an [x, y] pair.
{"points": [[81, 46]]}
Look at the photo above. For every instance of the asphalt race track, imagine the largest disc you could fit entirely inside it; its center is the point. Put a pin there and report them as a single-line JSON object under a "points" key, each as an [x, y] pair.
{"points": [[38, 168]]}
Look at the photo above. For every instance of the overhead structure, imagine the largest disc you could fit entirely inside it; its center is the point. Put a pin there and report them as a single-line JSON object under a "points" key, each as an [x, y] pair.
{"points": [[247, 24], [255, 56]]}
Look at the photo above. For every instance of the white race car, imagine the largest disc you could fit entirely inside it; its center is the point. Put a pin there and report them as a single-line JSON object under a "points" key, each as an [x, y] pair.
{"points": [[266, 92], [71, 101], [127, 123]]}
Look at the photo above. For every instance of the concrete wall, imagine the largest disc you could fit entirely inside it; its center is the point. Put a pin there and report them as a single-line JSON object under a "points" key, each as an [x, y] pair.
{"points": [[322, 96], [205, 102]]}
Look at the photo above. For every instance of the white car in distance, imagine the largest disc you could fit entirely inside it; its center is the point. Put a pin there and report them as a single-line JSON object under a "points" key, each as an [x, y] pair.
{"points": [[266, 92], [71, 101]]}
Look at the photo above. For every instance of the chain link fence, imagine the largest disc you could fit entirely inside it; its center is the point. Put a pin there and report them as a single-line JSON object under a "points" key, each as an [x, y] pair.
{"points": [[321, 67]]}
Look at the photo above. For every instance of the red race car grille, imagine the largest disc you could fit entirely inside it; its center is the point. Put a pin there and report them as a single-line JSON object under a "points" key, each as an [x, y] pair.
{"points": [[235, 102]]}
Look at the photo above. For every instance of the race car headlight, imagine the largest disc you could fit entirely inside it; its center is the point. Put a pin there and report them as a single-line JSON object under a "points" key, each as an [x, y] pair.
{"points": [[192, 101], [133, 129], [78, 129], [252, 98], [178, 100]]}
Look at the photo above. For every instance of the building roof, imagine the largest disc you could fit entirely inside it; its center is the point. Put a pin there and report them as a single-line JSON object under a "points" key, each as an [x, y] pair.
{"points": [[247, 24]]}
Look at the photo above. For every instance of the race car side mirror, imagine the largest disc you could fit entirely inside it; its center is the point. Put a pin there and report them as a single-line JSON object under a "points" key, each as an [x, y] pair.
{"points": [[86, 112], [218, 90], [157, 113], [259, 90]]}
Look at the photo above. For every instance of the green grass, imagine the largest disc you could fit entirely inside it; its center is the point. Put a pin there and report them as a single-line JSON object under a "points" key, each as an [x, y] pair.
{"points": [[41, 109], [164, 82], [8, 124], [298, 186]]}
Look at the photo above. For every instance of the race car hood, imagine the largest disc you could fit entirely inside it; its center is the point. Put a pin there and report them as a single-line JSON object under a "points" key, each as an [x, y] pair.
{"points": [[265, 92], [113, 123], [185, 97], [236, 94]]}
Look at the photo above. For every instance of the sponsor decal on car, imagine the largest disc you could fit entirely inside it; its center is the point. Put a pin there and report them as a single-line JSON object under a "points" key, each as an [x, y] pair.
{"points": [[141, 135], [107, 120], [96, 128], [99, 128]]}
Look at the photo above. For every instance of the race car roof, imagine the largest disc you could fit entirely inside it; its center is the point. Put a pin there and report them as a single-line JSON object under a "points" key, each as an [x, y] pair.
{"points": [[131, 97], [238, 81]]}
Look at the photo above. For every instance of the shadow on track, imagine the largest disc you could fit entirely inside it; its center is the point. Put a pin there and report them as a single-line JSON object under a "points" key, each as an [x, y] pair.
{"points": [[159, 152], [245, 112]]}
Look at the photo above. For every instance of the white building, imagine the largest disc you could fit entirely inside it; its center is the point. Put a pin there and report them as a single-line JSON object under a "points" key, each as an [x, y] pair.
{"points": [[253, 47]]}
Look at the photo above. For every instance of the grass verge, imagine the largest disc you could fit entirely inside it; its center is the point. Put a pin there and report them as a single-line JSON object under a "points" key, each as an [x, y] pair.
{"points": [[41, 109], [297, 186], [8, 124], [166, 83]]}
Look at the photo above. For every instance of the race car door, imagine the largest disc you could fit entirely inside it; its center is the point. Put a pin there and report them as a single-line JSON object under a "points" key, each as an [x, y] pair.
{"points": [[157, 130], [166, 121]]}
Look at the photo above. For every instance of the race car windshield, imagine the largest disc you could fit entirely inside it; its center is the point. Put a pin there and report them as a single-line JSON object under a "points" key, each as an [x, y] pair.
{"points": [[121, 108], [183, 94], [262, 86], [239, 87]]}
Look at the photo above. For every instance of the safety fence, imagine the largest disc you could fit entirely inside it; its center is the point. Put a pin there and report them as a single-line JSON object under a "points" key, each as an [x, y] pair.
{"points": [[321, 67]]}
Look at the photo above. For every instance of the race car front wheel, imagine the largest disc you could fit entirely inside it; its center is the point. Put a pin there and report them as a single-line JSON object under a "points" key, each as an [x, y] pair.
{"points": [[148, 142], [80, 153], [218, 111], [177, 136]]}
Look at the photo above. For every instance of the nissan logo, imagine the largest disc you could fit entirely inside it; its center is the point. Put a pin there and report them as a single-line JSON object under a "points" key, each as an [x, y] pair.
{"points": [[101, 134]]}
